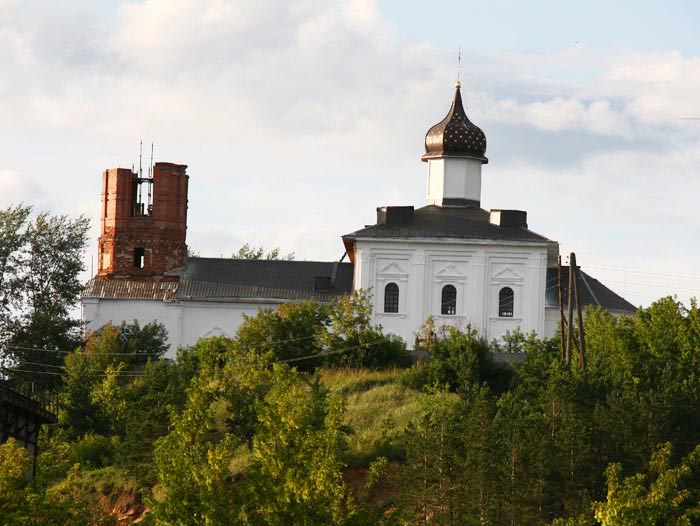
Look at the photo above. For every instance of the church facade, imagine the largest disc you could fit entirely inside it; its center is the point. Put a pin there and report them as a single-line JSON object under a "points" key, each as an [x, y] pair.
{"points": [[450, 260]]}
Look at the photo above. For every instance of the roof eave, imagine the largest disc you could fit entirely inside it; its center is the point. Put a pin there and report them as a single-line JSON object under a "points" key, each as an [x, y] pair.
{"points": [[459, 240], [449, 155]]}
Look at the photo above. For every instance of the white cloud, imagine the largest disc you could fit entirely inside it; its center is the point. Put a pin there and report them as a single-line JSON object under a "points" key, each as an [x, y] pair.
{"points": [[67, 110], [559, 114], [299, 118], [16, 189]]}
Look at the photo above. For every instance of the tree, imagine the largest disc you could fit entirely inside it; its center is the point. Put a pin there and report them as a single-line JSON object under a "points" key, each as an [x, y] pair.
{"points": [[291, 331], [252, 252], [40, 260], [194, 479], [149, 342], [340, 333], [296, 472], [670, 496], [28, 503], [461, 360], [101, 385], [351, 339], [433, 475], [12, 239]]}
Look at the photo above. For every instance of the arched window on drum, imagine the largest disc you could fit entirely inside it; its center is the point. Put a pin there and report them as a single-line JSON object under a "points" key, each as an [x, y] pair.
{"points": [[391, 298], [505, 302], [449, 300]]}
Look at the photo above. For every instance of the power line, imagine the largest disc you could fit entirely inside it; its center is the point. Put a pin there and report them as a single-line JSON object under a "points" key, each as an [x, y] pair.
{"points": [[337, 351], [646, 273], [132, 374], [655, 285], [65, 370], [30, 371], [137, 353]]}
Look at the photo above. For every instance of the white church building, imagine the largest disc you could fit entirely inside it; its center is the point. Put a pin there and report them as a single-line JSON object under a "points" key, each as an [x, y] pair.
{"points": [[450, 260]]}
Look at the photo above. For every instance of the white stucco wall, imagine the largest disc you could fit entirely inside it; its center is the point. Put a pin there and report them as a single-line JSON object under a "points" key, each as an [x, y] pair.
{"points": [[478, 271], [454, 178], [185, 321]]}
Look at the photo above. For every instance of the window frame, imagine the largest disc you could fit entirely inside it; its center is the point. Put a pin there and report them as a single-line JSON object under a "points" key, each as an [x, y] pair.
{"points": [[448, 305], [506, 302], [394, 290]]}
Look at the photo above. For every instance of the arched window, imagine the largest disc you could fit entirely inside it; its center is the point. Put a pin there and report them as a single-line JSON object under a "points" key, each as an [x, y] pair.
{"points": [[505, 302], [449, 300], [391, 298]]}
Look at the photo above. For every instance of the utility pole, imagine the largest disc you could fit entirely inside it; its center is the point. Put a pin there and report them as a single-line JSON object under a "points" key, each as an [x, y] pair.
{"points": [[568, 338], [579, 315], [570, 313], [562, 324]]}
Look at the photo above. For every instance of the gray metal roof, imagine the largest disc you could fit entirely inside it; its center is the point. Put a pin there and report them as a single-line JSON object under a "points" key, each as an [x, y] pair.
{"points": [[122, 289], [591, 291], [457, 222], [223, 278]]}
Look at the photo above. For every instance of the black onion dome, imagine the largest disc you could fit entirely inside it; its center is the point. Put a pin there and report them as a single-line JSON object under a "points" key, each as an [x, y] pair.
{"points": [[455, 135]]}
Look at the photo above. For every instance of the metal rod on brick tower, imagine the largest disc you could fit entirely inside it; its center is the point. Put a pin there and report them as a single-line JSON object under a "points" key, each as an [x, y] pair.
{"points": [[140, 198], [149, 205]]}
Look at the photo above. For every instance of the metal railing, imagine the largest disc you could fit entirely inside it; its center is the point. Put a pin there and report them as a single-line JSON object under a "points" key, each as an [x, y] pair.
{"points": [[28, 388]]}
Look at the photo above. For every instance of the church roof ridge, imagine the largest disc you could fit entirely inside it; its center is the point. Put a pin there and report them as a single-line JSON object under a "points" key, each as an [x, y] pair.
{"points": [[468, 222]]}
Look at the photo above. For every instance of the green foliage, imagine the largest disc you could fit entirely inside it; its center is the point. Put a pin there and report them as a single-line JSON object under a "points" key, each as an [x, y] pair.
{"points": [[149, 342], [434, 448], [296, 468], [14, 470], [294, 474], [29, 504], [352, 341], [291, 331], [116, 380], [670, 496], [40, 260], [227, 435], [460, 361], [194, 482], [245, 383], [252, 252], [340, 334], [94, 451]]}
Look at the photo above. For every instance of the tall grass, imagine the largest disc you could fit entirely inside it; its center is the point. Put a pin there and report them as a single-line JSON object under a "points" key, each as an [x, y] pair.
{"points": [[378, 411]]}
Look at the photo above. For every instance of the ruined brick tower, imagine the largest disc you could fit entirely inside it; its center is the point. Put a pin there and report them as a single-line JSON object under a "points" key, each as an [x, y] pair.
{"points": [[144, 222]]}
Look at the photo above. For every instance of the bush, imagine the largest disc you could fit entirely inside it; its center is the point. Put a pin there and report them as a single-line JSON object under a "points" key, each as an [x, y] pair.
{"points": [[459, 361], [95, 451]]}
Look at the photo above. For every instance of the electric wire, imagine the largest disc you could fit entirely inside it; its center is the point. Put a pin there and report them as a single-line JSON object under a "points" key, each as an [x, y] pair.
{"points": [[138, 375], [136, 353]]}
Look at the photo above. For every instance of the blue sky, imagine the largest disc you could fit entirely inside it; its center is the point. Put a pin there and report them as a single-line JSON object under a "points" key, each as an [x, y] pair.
{"points": [[501, 26], [297, 119]]}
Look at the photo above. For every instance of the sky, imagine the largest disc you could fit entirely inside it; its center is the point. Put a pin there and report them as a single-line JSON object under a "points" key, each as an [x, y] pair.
{"points": [[298, 118]]}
